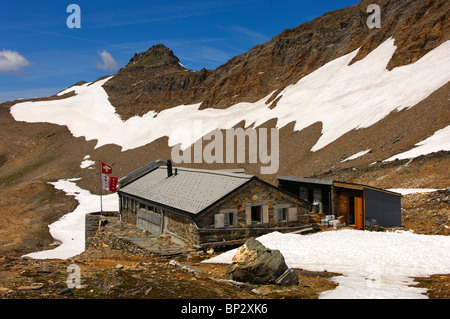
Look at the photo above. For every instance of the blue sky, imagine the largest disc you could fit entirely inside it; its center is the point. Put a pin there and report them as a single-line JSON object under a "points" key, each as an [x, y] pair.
{"points": [[40, 55]]}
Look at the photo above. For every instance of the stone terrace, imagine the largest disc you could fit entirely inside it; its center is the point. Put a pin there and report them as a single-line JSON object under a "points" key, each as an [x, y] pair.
{"points": [[108, 231]]}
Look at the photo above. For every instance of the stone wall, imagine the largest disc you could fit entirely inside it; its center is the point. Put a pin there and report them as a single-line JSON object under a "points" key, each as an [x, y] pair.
{"points": [[93, 222], [182, 227], [255, 192]]}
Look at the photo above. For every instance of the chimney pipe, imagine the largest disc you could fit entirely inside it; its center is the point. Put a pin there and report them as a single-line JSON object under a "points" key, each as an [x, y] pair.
{"points": [[169, 168]]}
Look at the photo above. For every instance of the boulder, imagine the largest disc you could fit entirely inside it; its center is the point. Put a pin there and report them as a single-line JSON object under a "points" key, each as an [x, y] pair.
{"points": [[254, 263]]}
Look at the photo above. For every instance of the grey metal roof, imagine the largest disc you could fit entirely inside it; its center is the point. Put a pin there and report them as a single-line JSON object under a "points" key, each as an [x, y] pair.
{"points": [[190, 190], [306, 180], [130, 177]]}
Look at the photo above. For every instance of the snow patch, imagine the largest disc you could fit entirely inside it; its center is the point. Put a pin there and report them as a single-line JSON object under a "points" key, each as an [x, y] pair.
{"points": [[70, 229], [355, 156], [87, 163], [373, 264], [439, 141]]}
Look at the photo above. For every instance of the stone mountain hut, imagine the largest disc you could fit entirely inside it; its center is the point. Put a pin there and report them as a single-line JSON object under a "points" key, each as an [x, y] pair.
{"points": [[207, 208]]}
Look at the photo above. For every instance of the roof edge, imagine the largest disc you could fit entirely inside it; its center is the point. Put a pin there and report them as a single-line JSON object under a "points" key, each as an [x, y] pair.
{"points": [[305, 180], [333, 183], [136, 174], [213, 171]]}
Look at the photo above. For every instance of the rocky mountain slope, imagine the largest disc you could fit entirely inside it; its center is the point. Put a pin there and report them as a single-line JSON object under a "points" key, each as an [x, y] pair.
{"points": [[154, 80], [34, 154]]}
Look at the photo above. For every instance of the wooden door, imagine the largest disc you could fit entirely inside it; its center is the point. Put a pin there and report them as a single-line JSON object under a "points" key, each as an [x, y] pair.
{"points": [[359, 212]]}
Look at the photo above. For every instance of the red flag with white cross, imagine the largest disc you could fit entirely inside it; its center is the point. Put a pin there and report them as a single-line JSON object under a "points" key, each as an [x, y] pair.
{"points": [[106, 169]]}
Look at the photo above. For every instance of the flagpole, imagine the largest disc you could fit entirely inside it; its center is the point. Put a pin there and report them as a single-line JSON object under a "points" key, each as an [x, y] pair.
{"points": [[101, 186]]}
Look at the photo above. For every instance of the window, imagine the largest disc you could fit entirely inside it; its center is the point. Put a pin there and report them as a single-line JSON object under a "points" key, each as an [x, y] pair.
{"points": [[286, 213], [228, 219], [282, 214], [304, 192], [256, 214], [124, 203], [224, 219]]}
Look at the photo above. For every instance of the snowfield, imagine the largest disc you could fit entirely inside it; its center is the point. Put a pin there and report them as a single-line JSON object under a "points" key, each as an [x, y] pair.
{"points": [[69, 230], [407, 191], [340, 96], [439, 141], [372, 264]]}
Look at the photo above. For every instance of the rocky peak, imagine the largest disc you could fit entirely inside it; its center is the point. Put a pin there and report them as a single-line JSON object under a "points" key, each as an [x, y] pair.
{"points": [[158, 56], [154, 80]]}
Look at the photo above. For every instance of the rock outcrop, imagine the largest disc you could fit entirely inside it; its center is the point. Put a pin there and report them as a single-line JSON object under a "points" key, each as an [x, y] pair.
{"points": [[254, 263]]}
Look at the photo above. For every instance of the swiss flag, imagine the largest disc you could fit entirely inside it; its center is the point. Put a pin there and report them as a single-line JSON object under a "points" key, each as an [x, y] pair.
{"points": [[106, 169], [109, 183]]}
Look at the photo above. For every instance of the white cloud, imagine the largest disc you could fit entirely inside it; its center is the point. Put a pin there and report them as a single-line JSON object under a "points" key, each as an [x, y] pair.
{"points": [[108, 63], [12, 61]]}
